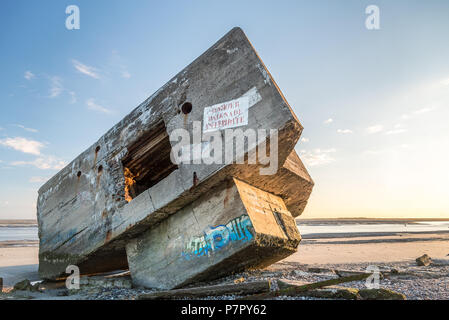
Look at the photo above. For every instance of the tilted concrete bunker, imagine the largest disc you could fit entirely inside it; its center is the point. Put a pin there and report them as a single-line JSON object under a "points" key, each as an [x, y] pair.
{"points": [[123, 202]]}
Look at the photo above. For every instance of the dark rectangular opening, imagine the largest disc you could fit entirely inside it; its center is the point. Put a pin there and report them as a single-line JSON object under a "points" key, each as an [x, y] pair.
{"points": [[148, 161]]}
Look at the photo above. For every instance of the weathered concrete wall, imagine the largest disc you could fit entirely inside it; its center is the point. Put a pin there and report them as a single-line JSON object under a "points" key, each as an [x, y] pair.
{"points": [[83, 216], [233, 227]]}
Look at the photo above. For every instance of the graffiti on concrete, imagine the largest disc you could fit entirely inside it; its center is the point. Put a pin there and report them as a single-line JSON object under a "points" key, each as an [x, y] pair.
{"points": [[239, 229], [61, 238]]}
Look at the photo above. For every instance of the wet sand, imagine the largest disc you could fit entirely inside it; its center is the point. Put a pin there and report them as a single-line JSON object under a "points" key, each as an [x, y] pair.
{"points": [[18, 263], [380, 249]]}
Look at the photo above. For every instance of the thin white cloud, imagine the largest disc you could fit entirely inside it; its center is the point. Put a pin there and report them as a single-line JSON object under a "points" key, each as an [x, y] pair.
{"points": [[26, 129], [374, 152], [73, 97], [126, 74], [396, 131], [345, 131], [29, 75], [117, 64], [305, 140], [317, 157], [417, 112], [445, 82], [398, 128], [4, 204], [423, 110], [87, 70], [23, 144], [92, 105], [56, 87], [328, 121], [374, 129], [38, 179], [43, 162]]}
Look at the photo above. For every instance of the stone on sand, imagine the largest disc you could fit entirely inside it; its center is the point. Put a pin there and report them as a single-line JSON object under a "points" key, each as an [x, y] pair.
{"points": [[380, 294], [320, 270], [25, 285], [331, 293], [440, 262], [424, 260], [105, 282], [347, 273]]}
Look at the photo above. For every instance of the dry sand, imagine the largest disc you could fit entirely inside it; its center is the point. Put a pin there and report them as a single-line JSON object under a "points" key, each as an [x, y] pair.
{"points": [[17, 263], [18, 256], [370, 249]]}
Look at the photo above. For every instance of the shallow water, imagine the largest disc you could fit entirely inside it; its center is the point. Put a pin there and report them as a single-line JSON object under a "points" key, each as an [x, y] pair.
{"points": [[18, 233], [375, 228], [30, 233]]}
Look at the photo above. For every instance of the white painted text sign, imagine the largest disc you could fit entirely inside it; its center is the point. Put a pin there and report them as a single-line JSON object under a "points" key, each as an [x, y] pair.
{"points": [[226, 115]]}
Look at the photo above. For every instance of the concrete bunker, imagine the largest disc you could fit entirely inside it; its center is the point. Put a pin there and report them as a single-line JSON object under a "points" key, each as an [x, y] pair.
{"points": [[148, 161], [122, 202]]}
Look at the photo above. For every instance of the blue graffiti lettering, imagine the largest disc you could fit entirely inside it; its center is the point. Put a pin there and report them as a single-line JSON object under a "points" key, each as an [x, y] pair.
{"points": [[238, 229]]}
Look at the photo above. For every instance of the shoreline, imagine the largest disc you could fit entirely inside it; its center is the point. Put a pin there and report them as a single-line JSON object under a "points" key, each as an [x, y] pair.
{"points": [[347, 251], [19, 243], [18, 223]]}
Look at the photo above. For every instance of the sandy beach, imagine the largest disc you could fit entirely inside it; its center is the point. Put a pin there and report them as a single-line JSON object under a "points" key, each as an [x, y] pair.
{"points": [[381, 249], [312, 251], [331, 251]]}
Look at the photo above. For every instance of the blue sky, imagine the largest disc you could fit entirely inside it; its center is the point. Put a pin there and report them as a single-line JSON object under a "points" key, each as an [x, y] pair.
{"points": [[374, 103]]}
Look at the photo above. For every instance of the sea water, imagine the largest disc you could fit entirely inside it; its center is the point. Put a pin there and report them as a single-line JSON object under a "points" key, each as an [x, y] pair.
{"points": [[305, 228], [18, 233], [309, 228]]}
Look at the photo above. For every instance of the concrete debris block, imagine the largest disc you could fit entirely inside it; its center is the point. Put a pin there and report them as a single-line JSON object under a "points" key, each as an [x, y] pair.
{"points": [[381, 294], [123, 283], [124, 203], [289, 289], [423, 261], [332, 293], [346, 273], [25, 285], [254, 229], [395, 271], [320, 270], [299, 273], [274, 288], [52, 285], [337, 292], [239, 280], [105, 282], [239, 289], [440, 262]]}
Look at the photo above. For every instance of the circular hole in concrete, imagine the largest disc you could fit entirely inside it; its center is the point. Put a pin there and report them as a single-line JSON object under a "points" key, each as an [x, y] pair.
{"points": [[100, 169], [186, 108], [97, 149], [78, 174]]}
